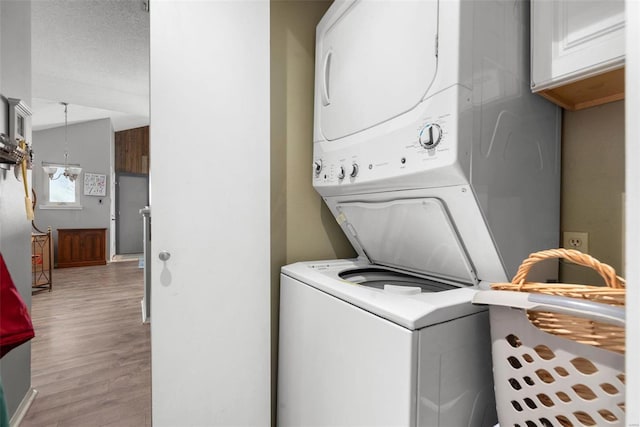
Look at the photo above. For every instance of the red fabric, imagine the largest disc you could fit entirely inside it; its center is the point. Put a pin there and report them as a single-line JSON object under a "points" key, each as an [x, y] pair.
{"points": [[15, 322]]}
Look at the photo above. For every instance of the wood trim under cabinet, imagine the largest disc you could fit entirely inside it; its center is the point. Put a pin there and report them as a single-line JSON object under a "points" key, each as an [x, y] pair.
{"points": [[592, 91]]}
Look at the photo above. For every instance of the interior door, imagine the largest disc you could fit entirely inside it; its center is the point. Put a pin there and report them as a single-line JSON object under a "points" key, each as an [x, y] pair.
{"points": [[132, 194], [210, 228]]}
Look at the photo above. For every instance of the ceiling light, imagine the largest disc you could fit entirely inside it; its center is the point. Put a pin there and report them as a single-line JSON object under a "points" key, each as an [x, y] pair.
{"points": [[71, 172]]}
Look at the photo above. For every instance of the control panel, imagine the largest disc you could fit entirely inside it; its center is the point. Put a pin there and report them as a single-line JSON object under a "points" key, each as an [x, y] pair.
{"points": [[423, 147], [420, 142]]}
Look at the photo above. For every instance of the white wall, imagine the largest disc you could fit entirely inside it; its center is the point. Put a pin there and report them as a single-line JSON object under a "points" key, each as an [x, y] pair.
{"points": [[90, 145], [15, 229]]}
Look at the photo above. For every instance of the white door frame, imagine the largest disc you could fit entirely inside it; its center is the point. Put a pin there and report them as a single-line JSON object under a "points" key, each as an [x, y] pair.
{"points": [[632, 226]]}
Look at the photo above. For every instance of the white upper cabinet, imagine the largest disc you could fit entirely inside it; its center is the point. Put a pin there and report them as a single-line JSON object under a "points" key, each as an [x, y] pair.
{"points": [[578, 51]]}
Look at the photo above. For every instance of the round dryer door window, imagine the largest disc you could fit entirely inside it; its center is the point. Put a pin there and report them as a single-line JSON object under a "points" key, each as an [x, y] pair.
{"points": [[376, 60]]}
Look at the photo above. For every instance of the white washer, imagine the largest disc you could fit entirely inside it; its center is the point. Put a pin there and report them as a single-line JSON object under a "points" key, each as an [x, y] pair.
{"points": [[353, 355], [442, 169]]}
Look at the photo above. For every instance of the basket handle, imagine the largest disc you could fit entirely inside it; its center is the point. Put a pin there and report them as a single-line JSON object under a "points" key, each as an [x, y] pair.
{"points": [[552, 303], [606, 271]]}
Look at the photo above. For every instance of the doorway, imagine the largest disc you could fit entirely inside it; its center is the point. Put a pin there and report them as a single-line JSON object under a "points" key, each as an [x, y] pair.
{"points": [[132, 194]]}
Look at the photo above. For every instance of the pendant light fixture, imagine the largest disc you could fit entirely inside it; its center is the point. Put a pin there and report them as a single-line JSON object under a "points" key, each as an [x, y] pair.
{"points": [[71, 172]]}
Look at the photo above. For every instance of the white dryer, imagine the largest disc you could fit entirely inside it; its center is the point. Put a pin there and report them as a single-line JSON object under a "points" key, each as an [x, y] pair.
{"points": [[442, 169]]}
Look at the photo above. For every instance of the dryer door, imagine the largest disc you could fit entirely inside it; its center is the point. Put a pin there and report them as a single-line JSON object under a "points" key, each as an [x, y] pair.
{"points": [[376, 60]]}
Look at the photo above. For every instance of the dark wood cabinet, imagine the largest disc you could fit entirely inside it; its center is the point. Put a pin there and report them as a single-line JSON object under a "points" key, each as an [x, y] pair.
{"points": [[79, 247]]}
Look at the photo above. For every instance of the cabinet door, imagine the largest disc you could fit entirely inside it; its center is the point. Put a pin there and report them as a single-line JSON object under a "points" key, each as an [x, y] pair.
{"points": [[68, 247], [572, 40], [92, 243]]}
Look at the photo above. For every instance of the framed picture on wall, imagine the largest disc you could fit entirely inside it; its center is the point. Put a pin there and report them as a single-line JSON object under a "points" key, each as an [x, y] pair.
{"points": [[95, 184]]}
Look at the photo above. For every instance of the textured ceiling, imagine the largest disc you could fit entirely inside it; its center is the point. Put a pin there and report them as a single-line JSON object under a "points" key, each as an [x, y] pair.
{"points": [[93, 54]]}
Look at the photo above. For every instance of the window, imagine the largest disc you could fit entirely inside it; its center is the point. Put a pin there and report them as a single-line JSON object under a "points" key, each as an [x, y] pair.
{"points": [[60, 191]]}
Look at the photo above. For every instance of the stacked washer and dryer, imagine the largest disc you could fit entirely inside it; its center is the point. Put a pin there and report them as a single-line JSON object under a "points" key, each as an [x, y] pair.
{"points": [[442, 169]]}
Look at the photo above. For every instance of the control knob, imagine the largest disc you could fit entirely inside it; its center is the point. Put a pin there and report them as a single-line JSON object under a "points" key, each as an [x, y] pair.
{"points": [[317, 167], [341, 173], [354, 170], [430, 135]]}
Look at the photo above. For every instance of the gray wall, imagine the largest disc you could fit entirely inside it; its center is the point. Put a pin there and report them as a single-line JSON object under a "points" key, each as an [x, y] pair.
{"points": [[15, 229], [90, 146]]}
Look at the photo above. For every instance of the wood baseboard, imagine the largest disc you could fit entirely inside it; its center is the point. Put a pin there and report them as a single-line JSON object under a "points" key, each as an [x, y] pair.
{"points": [[24, 406]]}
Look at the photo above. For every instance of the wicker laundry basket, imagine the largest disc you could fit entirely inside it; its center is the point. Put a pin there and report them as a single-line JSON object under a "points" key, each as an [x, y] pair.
{"points": [[558, 349]]}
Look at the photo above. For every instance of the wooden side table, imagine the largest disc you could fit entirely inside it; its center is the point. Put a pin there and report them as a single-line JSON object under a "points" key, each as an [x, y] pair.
{"points": [[42, 260]]}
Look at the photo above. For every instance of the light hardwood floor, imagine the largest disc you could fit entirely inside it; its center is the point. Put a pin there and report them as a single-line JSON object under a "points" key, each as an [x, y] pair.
{"points": [[91, 357]]}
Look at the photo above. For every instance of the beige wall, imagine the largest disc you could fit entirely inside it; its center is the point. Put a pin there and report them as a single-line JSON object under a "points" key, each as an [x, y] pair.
{"points": [[310, 231], [302, 228], [593, 183]]}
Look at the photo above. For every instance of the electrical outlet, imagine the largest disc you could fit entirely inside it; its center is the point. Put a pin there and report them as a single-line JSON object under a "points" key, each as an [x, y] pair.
{"points": [[576, 240]]}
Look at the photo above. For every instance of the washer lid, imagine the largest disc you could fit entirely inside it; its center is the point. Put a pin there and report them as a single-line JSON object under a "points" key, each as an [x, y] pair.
{"points": [[376, 60], [411, 234]]}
